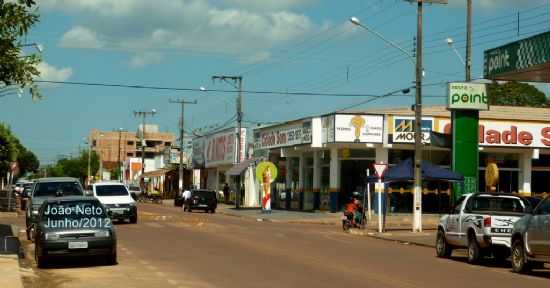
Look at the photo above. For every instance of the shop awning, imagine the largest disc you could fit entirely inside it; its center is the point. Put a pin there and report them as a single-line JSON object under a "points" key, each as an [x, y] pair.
{"points": [[238, 169], [404, 171], [155, 173]]}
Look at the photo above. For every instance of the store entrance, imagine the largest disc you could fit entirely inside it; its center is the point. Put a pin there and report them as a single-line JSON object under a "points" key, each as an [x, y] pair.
{"points": [[353, 178]]}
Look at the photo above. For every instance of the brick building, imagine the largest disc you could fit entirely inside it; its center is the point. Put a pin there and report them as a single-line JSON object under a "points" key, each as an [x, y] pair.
{"points": [[114, 147]]}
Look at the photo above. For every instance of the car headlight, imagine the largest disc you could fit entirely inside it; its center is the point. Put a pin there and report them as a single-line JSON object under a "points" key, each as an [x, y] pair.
{"points": [[52, 236], [34, 212], [132, 204], [102, 233]]}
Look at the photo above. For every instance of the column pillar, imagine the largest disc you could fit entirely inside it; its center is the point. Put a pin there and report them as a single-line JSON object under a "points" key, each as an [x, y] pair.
{"points": [[301, 179], [524, 175], [334, 180], [316, 179]]}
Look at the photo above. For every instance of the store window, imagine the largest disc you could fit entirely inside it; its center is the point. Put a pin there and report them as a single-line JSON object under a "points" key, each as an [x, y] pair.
{"points": [[540, 174], [508, 170]]}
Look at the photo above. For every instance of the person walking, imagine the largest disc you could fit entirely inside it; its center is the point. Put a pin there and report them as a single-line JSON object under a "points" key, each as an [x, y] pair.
{"points": [[226, 193], [186, 195]]}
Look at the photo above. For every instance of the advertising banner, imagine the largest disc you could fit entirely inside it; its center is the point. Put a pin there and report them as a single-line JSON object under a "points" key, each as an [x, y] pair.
{"points": [[403, 129], [220, 148], [508, 134], [358, 128], [283, 135], [198, 160]]}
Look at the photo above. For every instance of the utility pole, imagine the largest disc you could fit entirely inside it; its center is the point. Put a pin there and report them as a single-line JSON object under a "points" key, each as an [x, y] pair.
{"points": [[237, 83], [182, 133], [468, 41], [120, 130], [89, 162], [143, 114]]}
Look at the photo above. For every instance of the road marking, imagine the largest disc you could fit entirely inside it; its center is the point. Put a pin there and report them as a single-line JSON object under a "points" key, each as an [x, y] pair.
{"points": [[150, 267], [143, 262], [173, 282], [160, 274]]}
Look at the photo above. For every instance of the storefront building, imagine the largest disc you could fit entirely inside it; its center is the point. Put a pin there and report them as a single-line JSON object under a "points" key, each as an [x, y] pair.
{"points": [[323, 160]]}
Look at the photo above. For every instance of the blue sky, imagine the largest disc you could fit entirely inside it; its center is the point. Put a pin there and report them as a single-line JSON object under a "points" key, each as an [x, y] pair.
{"points": [[281, 45]]}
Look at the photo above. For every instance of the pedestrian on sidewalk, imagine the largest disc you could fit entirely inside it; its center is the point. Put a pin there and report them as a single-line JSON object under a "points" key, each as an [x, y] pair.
{"points": [[226, 193], [186, 196]]}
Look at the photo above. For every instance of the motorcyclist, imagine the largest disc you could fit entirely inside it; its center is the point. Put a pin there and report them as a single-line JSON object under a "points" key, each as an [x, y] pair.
{"points": [[353, 209]]}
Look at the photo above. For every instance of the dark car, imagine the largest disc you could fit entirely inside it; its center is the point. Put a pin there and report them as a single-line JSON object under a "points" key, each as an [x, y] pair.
{"points": [[44, 189], [200, 200], [74, 226]]}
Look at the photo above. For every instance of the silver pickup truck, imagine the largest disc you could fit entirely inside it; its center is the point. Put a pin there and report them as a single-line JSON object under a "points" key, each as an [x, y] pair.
{"points": [[482, 223]]}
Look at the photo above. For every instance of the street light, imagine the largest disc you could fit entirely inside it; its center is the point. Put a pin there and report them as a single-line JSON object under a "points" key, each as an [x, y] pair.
{"points": [[36, 46], [419, 73], [450, 42]]}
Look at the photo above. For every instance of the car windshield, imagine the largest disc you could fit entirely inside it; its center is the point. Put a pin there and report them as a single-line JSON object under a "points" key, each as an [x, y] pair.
{"points": [[497, 204], [133, 188], [52, 189], [111, 190], [204, 194], [72, 210]]}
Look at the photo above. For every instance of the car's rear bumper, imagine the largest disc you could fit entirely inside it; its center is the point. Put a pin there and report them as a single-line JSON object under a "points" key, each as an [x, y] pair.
{"points": [[95, 247]]}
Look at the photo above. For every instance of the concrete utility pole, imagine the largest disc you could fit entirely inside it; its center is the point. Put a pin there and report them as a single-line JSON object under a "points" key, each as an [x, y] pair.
{"points": [[120, 130], [237, 83], [417, 198], [182, 133], [143, 114], [469, 41]]}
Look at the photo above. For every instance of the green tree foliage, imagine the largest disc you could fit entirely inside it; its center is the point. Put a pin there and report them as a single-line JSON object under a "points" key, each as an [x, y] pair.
{"points": [[17, 68], [516, 94], [75, 167], [11, 150]]}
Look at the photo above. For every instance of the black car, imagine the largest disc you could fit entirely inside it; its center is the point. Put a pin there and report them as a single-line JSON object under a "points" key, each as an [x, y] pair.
{"points": [[74, 226], [200, 200]]}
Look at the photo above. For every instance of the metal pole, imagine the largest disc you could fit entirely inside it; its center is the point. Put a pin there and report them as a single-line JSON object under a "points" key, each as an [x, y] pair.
{"points": [[182, 134], [368, 196], [380, 213], [239, 126], [143, 145], [89, 162], [119, 164], [469, 41], [417, 207]]}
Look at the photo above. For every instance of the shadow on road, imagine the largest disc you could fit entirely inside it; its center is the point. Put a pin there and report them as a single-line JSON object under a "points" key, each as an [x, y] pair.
{"points": [[492, 263], [76, 262]]}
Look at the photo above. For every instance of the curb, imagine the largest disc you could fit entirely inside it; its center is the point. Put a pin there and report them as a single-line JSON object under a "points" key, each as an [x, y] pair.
{"points": [[404, 242]]}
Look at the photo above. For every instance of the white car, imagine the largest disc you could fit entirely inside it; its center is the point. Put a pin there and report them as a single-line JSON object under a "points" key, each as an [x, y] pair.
{"points": [[117, 199], [482, 223]]}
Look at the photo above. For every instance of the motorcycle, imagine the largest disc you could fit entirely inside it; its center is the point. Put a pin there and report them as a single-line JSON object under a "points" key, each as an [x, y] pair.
{"points": [[348, 221]]}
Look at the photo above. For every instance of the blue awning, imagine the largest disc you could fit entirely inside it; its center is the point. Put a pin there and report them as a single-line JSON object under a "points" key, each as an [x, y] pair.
{"points": [[404, 172]]}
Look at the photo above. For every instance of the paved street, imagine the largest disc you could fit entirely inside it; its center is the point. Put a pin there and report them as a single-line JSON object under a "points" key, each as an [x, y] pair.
{"points": [[169, 248]]}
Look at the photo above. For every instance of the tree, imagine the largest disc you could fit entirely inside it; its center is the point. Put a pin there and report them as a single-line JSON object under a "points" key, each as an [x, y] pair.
{"points": [[16, 68], [75, 167], [516, 94], [8, 149]]}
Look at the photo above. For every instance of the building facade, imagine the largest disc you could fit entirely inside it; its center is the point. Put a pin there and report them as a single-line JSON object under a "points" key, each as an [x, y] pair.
{"points": [[115, 147], [323, 160]]}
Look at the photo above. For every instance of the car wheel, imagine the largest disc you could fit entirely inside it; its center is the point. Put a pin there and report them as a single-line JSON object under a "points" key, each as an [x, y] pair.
{"points": [[112, 260], [442, 248], [133, 219], [39, 257], [474, 253], [519, 259]]}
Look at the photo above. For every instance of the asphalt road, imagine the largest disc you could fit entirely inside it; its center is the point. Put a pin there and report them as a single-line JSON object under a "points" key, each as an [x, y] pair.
{"points": [[172, 248]]}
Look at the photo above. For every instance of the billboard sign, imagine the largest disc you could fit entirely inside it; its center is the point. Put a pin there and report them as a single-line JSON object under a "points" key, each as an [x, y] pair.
{"points": [[403, 129], [468, 96], [283, 135], [358, 128]]}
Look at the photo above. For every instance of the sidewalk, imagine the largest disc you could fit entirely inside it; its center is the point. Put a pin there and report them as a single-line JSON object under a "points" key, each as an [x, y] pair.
{"points": [[9, 263], [424, 238]]}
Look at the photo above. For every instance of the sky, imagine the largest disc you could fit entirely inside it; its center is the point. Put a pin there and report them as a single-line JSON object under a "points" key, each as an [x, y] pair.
{"points": [[276, 45]]}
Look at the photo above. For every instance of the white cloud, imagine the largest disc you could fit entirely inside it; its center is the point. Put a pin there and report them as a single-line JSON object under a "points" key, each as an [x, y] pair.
{"points": [[80, 37], [144, 59], [257, 57], [197, 25], [269, 5], [52, 73]]}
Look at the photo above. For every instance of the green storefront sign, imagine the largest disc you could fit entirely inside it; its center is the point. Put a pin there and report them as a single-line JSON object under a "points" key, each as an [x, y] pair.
{"points": [[517, 56]]}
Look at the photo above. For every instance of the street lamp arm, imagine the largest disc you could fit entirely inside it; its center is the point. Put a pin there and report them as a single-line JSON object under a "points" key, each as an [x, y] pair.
{"points": [[459, 56], [389, 42]]}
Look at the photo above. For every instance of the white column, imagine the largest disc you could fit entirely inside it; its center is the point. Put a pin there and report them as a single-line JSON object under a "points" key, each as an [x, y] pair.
{"points": [[288, 175], [525, 168], [381, 154], [316, 171]]}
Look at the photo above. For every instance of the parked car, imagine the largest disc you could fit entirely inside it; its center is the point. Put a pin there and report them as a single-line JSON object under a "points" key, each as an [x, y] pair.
{"points": [[116, 197], [74, 226], [200, 199], [482, 223], [531, 239], [44, 189], [135, 191]]}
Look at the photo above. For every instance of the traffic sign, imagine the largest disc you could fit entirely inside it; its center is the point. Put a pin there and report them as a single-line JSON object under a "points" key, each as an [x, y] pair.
{"points": [[380, 168]]}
